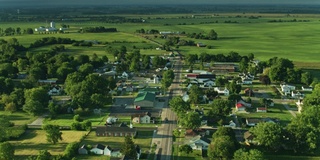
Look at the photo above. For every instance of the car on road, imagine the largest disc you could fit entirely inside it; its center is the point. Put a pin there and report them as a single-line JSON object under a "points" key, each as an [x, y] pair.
{"points": [[166, 120]]}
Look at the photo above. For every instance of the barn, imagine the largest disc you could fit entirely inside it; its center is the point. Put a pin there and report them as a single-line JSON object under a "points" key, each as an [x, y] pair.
{"points": [[145, 100]]}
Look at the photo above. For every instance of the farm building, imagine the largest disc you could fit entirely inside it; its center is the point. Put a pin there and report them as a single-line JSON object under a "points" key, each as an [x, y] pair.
{"points": [[145, 100]]}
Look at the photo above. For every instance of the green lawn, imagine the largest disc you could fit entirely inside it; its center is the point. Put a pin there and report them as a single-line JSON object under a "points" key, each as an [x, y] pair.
{"points": [[19, 117], [35, 140], [67, 119]]}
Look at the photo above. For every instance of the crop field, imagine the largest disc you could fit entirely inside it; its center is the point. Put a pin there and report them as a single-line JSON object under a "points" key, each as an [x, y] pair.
{"points": [[35, 140], [296, 40]]}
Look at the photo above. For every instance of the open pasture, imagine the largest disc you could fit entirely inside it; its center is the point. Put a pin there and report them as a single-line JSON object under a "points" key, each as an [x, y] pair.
{"points": [[35, 140]]}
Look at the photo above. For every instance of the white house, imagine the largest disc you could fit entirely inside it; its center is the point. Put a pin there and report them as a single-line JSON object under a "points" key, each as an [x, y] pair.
{"points": [[111, 152], [247, 81], [286, 89], [198, 143], [185, 97], [306, 88], [54, 91], [223, 91], [141, 118], [231, 124], [98, 149], [296, 94]]}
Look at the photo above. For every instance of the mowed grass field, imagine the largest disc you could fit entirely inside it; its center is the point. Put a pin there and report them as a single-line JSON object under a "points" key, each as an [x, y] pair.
{"points": [[18, 118], [297, 41], [35, 140]]}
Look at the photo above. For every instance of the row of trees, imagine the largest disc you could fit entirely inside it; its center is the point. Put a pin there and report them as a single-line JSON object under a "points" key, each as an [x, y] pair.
{"points": [[212, 35], [99, 29], [15, 31]]}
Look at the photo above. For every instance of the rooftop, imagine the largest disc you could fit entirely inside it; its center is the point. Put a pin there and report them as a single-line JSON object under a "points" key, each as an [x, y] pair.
{"points": [[145, 96]]}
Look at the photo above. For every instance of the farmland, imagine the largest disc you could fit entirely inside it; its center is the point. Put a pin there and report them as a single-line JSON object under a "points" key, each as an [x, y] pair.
{"points": [[266, 35], [296, 41]]}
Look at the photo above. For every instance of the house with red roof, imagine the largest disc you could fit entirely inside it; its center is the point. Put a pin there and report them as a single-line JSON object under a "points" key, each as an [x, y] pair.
{"points": [[240, 107], [262, 109]]}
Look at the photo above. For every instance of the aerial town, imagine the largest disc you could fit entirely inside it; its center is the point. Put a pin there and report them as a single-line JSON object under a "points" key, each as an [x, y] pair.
{"points": [[190, 82]]}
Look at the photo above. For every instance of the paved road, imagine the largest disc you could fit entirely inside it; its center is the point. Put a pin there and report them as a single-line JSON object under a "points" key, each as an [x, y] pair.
{"points": [[164, 132]]}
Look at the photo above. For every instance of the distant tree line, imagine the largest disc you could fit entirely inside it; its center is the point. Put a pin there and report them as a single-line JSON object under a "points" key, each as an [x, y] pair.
{"points": [[10, 31], [49, 41], [99, 29], [151, 31], [212, 35]]}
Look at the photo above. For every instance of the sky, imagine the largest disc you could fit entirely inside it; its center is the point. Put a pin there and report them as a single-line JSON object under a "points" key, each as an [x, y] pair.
{"points": [[138, 2]]}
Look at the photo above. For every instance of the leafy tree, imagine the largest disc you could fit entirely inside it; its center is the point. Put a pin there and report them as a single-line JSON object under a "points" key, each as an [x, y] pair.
{"points": [[252, 154], [33, 107], [128, 148], [306, 78], [221, 81], [264, 79], [191, 59], [44, 155], [36, 100], [233, 87], [268, 134], [219, 109], [86, 69], [186, 149], [146, 62], [71, 150], [6, 151], [191, 120], [251, 56], [29, 31], [244, 64], [178, 105], [221, 147], [212, 35], [302, 134], [195, 94], [53, 133], [211, 93], [167, 79], [11, 107], [17, 96], [313, 98], [53, 109]]}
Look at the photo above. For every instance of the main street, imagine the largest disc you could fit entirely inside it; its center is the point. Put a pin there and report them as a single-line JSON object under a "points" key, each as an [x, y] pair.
{"points": [[164, 133]]}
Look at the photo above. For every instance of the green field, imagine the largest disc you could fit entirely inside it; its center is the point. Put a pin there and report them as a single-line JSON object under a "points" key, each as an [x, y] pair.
{"points": [[35, 140], [297, 41], [18, 118]]}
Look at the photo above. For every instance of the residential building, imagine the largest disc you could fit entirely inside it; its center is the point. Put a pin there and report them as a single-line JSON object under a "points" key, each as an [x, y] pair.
{"points": [[141, 118], [198, 143], [98, 149]]}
